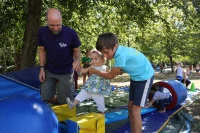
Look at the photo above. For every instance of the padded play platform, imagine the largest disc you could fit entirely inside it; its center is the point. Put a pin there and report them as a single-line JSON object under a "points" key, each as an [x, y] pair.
{"points": [[151, 122], [178, 91], [116, 121], [28, 76], [122, 114], [10, 87]]}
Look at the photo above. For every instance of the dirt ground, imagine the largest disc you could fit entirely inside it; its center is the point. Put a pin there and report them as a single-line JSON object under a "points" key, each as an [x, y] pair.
{"points": [[193, 109]]}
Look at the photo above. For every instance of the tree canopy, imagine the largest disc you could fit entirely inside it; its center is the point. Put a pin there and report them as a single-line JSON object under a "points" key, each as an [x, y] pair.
{"points": [[165, 31]]}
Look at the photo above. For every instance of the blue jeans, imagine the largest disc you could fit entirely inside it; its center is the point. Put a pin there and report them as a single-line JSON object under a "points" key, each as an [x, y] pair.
{"points": [[162, 102]]}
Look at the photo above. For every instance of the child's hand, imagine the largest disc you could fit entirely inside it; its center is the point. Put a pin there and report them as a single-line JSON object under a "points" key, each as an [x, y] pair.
{"points": [[121, 72], [92, 70], [84, 70]]}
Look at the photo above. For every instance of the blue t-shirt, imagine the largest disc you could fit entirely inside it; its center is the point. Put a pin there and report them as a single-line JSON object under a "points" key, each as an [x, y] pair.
{"points": [[134, 63], [59, 49]]}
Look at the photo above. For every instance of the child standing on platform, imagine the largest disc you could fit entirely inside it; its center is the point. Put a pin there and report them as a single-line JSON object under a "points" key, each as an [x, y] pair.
{"points": [[136, 65], [95, 87]]}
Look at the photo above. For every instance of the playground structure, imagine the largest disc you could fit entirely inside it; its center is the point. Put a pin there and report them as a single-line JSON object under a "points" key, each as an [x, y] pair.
{"points": [[26, 83]]}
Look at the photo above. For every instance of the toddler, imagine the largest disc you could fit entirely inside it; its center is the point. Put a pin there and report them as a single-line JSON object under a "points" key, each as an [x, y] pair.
{"points": [[95, 87]]}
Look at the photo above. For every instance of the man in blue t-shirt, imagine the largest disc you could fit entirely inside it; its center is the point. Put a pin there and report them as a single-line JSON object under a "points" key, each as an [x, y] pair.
{"points": [[59, 56], [136, 65]]}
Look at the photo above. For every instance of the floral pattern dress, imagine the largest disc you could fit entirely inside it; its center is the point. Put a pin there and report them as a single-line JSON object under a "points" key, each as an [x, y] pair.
{"points": [[98, 85]]}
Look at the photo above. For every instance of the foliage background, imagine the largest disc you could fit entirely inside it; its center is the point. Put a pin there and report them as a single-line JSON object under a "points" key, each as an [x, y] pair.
{"points": [[165, 31]]}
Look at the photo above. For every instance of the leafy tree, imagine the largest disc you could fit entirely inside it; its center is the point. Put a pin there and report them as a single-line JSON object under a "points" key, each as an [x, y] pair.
{"points": [[29, 47], [165, 31]]}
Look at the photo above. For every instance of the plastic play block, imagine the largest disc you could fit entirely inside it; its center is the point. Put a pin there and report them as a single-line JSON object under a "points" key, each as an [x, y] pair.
{"points": [[87, 123], [63, 112]]}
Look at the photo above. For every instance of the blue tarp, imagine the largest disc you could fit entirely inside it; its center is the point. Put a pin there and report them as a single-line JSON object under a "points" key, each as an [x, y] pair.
{"points": [[27, 76], [10, 87]]}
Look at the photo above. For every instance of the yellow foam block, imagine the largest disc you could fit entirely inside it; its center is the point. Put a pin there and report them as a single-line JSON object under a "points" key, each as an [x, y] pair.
{"points": [[87, 123], [63, 112]]}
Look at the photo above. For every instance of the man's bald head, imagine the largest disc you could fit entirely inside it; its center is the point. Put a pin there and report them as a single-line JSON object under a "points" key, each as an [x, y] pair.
{"points": [[54, 20], [53, 13]]}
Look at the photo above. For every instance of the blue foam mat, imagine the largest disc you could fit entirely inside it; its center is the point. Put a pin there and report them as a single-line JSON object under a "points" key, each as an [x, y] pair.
{"points": [[10, 87], [28, 76], [151, 122], [121, 114]]}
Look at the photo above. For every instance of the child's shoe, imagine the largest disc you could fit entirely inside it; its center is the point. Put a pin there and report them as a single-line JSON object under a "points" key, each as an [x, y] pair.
{"points": [[70, 103]]}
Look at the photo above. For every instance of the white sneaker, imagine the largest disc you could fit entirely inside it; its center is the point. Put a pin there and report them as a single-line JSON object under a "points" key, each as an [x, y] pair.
{"points": [[70, 103]]}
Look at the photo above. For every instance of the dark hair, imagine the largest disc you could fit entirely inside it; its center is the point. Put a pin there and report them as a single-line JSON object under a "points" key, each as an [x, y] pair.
{"points": [[155, 87], [106, 41]]}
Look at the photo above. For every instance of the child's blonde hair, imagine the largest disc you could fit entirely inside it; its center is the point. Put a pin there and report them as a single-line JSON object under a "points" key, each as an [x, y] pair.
{"points": [[98, 53]]}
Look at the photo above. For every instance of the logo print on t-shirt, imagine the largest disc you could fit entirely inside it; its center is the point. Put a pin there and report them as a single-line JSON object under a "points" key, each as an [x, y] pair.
{"points": [[62, 44]]}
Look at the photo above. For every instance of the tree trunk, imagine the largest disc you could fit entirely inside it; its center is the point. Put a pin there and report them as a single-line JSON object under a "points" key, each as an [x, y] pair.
{"points": [[29, 46], [172, 65]]}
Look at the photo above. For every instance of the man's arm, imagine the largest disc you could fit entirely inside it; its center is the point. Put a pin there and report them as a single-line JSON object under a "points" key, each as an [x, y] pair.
{"points": [[42, 56], [42, 60], [77, 57], [109, 75]]}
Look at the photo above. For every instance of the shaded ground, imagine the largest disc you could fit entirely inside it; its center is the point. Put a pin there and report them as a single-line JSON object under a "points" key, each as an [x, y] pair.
{"points": [[193, 109]]}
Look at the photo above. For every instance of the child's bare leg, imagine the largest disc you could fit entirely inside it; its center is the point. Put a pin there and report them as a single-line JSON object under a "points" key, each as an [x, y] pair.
{"points": [[135, 118], [130, 104], [136, 112]]}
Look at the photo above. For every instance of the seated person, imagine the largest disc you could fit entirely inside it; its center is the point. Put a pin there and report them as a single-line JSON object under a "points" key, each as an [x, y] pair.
{"points": [[161, 98]]}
